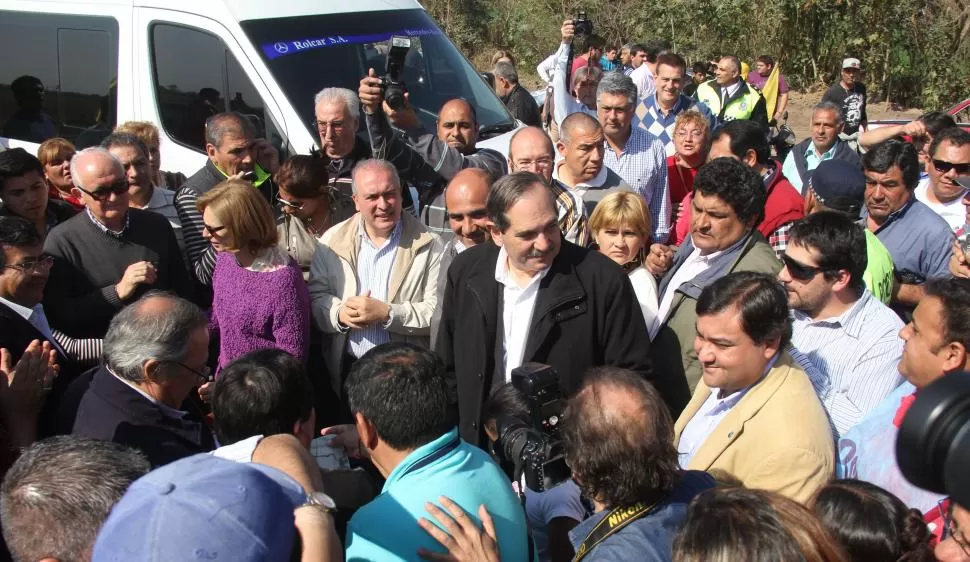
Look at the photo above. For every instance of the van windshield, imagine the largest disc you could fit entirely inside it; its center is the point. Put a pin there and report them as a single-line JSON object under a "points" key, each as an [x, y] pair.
{"points": [[309, 53]]}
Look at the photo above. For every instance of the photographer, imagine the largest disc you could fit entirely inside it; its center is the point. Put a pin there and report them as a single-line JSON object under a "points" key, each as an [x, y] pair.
{"points": [[424, 159], [580, 95], [617, 436], [553, 513]]}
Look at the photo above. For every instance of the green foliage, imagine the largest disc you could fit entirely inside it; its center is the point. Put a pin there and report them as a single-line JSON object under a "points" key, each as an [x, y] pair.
{"points": [[914, 52]]}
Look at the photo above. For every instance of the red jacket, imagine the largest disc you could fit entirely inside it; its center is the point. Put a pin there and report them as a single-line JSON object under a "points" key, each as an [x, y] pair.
{"points": [[784, 203]]}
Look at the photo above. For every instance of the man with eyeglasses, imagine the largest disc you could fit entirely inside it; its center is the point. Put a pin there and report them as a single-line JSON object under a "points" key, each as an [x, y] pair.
{"points": [[837, 324], [109, 255], [917, 238], [155, 355], [949, 159], [531, 150]]}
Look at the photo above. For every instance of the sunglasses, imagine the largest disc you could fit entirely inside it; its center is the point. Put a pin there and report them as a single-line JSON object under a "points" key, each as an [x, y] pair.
{"points": [[944, 167], [213, 230], [800, 271], [290, 204], [118, 188]]}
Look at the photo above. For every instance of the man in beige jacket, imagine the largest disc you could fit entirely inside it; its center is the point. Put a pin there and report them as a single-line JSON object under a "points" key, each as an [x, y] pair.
{"points": [[373, 278], [754, 418]]}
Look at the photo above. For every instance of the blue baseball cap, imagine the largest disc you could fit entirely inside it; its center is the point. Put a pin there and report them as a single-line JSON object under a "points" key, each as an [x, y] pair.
{"points": [[203, 508], [839, 185]]}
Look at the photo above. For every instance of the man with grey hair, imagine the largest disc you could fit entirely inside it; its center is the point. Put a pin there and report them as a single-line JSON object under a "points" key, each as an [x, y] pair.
{"points": [[573, 92], [531, 297], [373, 278], [730, 98], [156, 352], [824, 144], [631, 152], [234, 152], [57, 495], [108, 255], [336, 113], [517, 99], [581, 168]]}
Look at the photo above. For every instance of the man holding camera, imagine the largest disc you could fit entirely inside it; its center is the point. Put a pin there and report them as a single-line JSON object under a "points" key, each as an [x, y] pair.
{"points": [[529, 297], [424, 159]]}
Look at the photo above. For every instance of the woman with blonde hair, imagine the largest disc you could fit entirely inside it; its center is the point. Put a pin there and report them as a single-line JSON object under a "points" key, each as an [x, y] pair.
{"points": [[260, 299], [621, 229], [691, 136], [737, 524], [55, 156]]}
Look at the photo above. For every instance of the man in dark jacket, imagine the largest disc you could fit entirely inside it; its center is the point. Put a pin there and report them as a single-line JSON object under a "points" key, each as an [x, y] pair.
{"points": [[529, 297], [517, 99], [824, 144], [155, 355]]}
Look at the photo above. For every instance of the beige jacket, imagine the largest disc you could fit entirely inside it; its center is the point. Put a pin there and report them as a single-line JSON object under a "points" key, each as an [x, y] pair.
{"points": [[777, 437], [411, 290]]}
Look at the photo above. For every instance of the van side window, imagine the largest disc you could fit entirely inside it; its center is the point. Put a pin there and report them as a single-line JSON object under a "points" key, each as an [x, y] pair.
{"points": [[196, 76], [58, 77]]}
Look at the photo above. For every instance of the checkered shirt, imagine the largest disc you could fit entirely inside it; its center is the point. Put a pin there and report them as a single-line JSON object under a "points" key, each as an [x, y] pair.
{"points": [[649, 118], [643, 166], [779, 239]]}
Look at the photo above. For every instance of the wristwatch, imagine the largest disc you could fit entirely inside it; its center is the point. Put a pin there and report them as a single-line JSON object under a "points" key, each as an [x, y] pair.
{"points": [[320, 501]]}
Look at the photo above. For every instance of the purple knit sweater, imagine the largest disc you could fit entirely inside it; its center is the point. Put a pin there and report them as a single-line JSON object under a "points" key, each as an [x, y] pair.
{"points": [[252, 311]]}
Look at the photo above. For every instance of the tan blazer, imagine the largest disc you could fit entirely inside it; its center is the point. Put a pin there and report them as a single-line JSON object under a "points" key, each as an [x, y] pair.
{"points": [[777, 437], [411, 288]]}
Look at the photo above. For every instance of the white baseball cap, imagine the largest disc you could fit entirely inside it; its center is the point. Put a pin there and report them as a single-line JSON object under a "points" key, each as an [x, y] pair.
{"points": [[851, 63]]}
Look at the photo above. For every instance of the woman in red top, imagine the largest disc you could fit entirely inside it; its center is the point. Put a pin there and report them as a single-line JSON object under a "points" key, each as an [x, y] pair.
{"points": [[55, 155], [691, 136]]}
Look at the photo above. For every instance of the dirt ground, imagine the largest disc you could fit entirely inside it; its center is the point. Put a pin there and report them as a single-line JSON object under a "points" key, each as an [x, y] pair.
{"points": [[800, 112]]}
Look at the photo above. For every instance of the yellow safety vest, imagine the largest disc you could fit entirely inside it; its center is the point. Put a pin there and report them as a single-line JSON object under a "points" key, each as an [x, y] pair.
{"points": [[740, 107]]}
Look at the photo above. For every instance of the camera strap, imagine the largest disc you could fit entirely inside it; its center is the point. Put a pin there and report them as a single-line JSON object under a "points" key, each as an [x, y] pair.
{"points": [[613, 522]]}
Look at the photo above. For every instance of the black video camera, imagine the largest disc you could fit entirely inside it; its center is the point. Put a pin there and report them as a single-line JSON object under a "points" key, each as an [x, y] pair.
{"points": [[393, 81], [582, 26], [533, 446], [933, 445]]}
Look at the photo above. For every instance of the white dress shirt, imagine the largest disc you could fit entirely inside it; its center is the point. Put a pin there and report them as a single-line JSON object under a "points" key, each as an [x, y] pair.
{"points": [[37, 319], [518, 304], [644, 80]]}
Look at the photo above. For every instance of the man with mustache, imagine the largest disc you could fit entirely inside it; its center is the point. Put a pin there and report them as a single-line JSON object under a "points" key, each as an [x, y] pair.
{"points": [[424, 159], [465, 198], [824, 144], [949, 158], [527, 296], [728, 203], [373, 277], [917, 238]]}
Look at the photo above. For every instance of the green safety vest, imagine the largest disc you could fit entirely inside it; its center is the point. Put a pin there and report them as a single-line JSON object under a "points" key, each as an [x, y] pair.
{"points": [[740, 107]]}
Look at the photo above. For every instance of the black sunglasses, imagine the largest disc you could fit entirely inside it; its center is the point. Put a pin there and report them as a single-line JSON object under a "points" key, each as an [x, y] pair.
{"points": [[119, 187], [943, 167], [800, 271]]}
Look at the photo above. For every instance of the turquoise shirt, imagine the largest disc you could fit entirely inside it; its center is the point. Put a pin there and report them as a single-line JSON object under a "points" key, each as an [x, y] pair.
{"points": [[387, 528], [812, 160]]}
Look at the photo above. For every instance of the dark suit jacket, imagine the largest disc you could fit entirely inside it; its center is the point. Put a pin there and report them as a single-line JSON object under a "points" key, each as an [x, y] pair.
{"points": [[113, 411], [586, 315]]}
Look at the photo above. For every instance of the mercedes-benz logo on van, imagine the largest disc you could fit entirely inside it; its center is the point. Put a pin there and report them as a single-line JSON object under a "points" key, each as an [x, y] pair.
{"points": [[281, 48]]}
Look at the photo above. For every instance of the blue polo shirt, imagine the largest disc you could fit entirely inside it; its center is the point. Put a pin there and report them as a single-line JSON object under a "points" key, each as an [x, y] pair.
{"points": [[387, 527], [918, 240]]}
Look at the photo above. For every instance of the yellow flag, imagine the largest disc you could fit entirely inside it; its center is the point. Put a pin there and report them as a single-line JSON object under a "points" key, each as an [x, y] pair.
{"points": [[770, 91]]}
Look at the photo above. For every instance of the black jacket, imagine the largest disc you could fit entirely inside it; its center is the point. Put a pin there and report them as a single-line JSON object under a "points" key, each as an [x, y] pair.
{"points": [[522, 106], [113, 411], [586, 315]]}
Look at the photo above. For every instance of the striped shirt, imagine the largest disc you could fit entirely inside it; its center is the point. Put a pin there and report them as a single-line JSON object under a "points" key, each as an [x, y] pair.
{"points": [[373, 274], [162, 202], [643, 166], [573, 221], [858, 351], [201, 257]]}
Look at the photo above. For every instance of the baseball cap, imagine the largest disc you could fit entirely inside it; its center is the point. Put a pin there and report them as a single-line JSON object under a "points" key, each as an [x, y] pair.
{"points": [[839, 185], [851, 63], [203, 508]]}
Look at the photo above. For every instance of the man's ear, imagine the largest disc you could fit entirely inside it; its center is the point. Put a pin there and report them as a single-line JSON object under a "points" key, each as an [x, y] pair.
{"points": [[955, 357], [150, 370], [495, 232], [366, 431], [211, 150]]}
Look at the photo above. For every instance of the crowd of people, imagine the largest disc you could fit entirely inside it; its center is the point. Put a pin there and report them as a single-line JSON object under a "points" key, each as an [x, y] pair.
{"points": [[302, 360]]}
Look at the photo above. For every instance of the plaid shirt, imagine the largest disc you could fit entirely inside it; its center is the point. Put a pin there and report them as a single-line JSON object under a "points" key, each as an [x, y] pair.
{"points": [[650, 118], [779, 239], [643, 166], [572, 215]]}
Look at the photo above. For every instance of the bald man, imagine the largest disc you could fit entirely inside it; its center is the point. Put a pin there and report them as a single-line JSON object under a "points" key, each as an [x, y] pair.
{"points": [[465, 198], [108, 255], [581, 143], [531, 150], [426, 160], [729, 97]]}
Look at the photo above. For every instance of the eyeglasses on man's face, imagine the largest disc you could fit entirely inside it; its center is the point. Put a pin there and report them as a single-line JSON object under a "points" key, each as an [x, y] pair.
{"points": [[32, 265], [119, 187]]}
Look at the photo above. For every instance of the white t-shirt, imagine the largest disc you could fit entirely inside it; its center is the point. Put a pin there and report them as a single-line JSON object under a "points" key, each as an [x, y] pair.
{"points": [[543, 507], [954, 212], [644, 80]]}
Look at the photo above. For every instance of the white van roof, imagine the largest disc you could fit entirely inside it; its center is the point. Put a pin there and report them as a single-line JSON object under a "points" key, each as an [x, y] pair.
{"points": [[243, 10]]}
